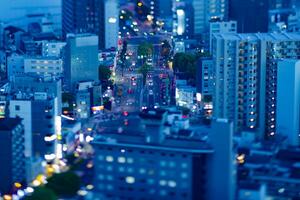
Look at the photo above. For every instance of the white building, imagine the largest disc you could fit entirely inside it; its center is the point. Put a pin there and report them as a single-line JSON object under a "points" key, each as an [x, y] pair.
{"points": [[111, 23], [53, 49], [288, 100], [221, 27], [43, 65]]}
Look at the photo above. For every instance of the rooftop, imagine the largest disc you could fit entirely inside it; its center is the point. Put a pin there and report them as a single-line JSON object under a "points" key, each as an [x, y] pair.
{"points": [[132, 132]]}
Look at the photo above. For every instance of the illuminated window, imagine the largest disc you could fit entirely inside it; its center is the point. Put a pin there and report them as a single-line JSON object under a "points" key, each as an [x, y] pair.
{"points": [[172, 184], [130, 179], [121, 159], [109, 158]]}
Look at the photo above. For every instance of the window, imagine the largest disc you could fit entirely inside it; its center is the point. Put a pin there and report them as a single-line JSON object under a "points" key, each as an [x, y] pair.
{"points": [[17, 107]]}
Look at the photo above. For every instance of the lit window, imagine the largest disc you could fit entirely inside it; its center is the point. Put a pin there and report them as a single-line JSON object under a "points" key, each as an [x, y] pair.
{"points": [[130, 179], [142, 171], [130, 160], [184, 175], [172, 184], [121, 160], [109, 158], [162, 182]]}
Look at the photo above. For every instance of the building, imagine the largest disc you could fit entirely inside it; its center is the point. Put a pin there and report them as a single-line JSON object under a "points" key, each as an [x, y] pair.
{"points": [[221, 27], [251, 15], [41, 122], [43, 65], [145, 157], [206, 11], [246, 77], [81, 59], [268, 172], [37, 100], [236, 87], [53, 49], [288, 100], [99, 17], [12, 159], [205, 77], [51, 85], [111, 20], [185, 95], [183, 14], [15, 66]]}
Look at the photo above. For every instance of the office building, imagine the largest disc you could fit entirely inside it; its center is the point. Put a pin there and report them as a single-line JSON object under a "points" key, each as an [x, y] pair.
{"points": [[43, 65], [145, 157], [81, 59], [246, 77], [99, 17], [12, 159], [288, 100]]}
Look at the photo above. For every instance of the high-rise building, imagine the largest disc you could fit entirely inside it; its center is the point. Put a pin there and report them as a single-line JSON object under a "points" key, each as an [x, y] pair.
{"points": [[41, 122], [246, 77], [12, 159], [99, 17], [251, 15], [149, 158], [206, 11], [183, 15], [192, 18], [288, 100], [221, 27], [81, 59], [37, 100]]}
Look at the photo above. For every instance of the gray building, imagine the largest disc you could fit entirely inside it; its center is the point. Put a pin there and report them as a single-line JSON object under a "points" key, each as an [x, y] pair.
{"points": [[81, 59], [12, 159]]}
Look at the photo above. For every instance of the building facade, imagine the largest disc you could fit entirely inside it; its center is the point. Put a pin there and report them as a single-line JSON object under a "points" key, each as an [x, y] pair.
{"points": [[12, 159], [81, 59], [288, 100], [246, 77]]}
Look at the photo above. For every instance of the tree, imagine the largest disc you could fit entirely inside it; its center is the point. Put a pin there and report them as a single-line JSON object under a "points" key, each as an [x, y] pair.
{"points": [[165, 49], [104, 73], [65, 184], [185, 63], [144, 70], [42, 193], [145, 49]]}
